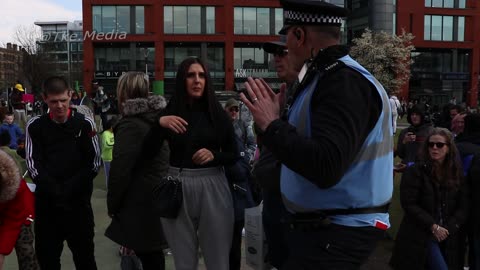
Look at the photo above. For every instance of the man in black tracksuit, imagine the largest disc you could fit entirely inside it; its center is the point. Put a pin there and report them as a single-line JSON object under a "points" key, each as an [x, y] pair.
{"points": [[63, 158]]}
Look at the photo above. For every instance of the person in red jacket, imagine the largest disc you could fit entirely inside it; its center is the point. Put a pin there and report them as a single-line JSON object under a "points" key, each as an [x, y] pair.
{"points": [[16, 215]]}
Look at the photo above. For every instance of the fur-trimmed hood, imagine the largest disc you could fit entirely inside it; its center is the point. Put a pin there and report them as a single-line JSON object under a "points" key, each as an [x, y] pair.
{"points": [[143, 105], [10, 177]]}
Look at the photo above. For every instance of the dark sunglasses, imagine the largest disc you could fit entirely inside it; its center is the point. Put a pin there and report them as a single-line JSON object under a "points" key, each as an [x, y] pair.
{"points": [[281, 52], [437, 144], [233, 109]]}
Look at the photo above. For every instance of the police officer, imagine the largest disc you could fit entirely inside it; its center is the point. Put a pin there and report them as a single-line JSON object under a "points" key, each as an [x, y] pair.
{"points": [[335, 145], [266, 170]]}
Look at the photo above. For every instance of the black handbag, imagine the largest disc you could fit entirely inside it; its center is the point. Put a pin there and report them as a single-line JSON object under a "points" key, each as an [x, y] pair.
{"points": [[168, 196]]}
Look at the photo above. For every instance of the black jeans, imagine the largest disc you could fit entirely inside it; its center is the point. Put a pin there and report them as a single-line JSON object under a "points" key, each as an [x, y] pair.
{"points": [[333, 247], [273, 216], [152, 261], [53, 226], [236, 249]]}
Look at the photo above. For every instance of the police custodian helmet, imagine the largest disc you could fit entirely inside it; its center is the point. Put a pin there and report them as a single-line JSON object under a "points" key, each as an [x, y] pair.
{"points": [[311, 12]]}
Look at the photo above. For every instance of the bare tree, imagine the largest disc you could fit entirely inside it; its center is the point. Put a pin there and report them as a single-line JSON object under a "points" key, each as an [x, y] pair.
{"points": [[36, 58], [386, 56]]}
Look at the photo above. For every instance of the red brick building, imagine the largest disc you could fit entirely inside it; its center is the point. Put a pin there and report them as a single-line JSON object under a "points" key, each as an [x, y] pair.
{"points": [[447, 55], [122, 35]]}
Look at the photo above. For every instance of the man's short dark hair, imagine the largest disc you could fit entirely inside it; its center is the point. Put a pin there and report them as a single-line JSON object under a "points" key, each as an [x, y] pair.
{"points": [[55, 85], [332, 31], [5, 138], [9, 114]]}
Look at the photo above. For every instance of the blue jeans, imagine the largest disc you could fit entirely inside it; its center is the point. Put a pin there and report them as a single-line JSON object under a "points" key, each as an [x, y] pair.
{"points": [[435, 258]]}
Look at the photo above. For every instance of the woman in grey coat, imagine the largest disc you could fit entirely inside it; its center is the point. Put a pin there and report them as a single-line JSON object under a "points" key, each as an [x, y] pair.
{"points": [[140, 160]]}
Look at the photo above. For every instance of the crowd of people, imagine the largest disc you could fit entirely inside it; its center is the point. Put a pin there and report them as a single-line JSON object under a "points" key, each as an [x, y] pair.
{"points": [[324, 172], [440, 165]]}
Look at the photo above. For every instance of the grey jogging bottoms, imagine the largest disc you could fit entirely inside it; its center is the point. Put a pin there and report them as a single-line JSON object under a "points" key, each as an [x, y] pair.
{"points": [[205, 218]]}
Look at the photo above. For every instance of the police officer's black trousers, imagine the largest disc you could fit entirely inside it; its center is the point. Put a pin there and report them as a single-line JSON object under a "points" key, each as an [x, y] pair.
{"points": [[73, 224], [236, 249], [152, 260], [333, 247], [273, 216]]}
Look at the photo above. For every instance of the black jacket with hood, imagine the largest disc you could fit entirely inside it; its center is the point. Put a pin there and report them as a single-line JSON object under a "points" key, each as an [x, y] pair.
{"points": [[410, 152]]}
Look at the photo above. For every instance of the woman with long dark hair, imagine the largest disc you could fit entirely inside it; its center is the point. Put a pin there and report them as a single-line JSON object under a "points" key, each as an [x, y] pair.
{"points": [[140, 160], [434, 198], [201, 142]]}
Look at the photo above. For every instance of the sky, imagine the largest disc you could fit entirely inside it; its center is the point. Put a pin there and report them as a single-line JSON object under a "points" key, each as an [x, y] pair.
{"points": [[17, 13]]}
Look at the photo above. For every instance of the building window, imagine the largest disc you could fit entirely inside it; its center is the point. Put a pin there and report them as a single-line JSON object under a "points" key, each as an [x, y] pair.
{"points": [[114, 59], [180, 20], [278, 20], [175, 55], [139, 20], [188, 19], [210, 20], [141, 61], [445, 3], [126, 19], [123, 19], [216, 59], [250, 61], [254, 21], [249, 58], [444, 28], [461, 29], [357, 4]]}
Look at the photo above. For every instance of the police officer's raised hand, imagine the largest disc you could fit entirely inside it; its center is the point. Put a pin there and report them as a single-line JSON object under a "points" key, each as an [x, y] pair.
{"points": [[174, 123], [264, 104]]}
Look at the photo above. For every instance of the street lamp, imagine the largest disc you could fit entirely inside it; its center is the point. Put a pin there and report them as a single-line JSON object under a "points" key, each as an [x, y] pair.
{"points": [[146, 51]]}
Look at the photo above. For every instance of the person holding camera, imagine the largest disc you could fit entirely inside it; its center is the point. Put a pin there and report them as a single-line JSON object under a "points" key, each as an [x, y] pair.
{"points": [[411, 139]]}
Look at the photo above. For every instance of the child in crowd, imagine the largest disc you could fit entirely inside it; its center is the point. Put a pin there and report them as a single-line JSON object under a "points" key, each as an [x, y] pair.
{"points": [[108, 141], [12, 128]]}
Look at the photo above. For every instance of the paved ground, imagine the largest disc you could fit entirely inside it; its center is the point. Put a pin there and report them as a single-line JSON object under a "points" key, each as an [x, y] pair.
{"points": [[106, 251]]}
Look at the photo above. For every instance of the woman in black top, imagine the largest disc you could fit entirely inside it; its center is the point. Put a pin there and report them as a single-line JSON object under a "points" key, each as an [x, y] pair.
{"points": [[201, 142], [433, 197]]}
